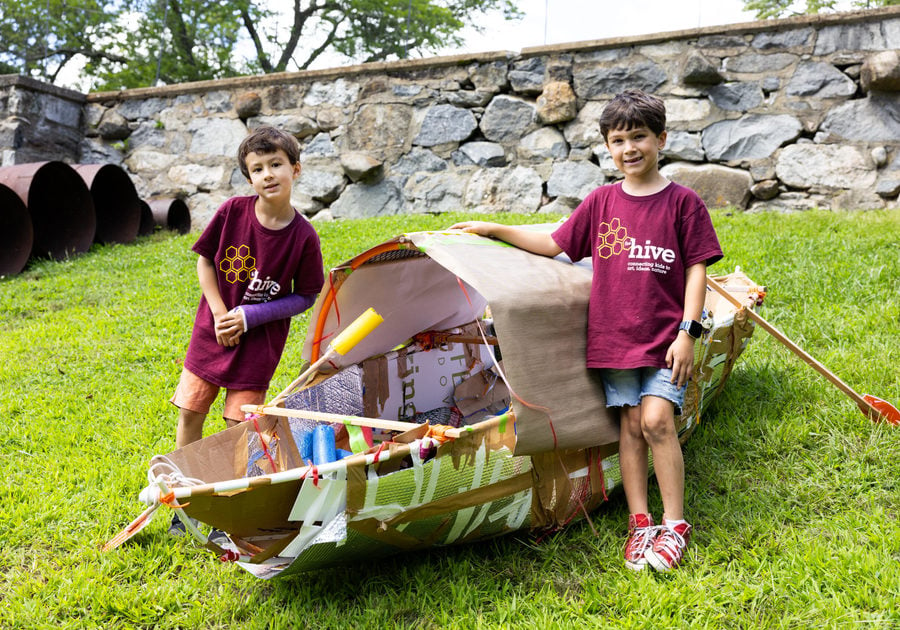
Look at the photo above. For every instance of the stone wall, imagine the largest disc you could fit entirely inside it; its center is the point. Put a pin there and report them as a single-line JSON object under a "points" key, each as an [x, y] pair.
{"points": [[39, 122], [772, 115]]}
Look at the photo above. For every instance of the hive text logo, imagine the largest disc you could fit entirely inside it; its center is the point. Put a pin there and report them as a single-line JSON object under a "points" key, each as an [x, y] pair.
{"points": [[612, 239], [237, 264]]}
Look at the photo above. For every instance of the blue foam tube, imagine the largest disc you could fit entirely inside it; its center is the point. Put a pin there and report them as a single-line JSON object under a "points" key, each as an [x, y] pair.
{"points": [[305, 445], [323, 445]]}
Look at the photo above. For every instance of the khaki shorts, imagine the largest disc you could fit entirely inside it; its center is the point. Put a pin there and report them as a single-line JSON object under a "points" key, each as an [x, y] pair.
{"points": [[196, 394]]}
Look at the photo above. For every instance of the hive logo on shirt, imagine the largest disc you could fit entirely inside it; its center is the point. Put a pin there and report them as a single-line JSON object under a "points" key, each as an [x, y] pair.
{"points": [[649, 257], [238, 264], [612, 239]]}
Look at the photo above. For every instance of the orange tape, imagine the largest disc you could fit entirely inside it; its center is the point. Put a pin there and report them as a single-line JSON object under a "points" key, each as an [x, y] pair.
{"points": [[169, 499], [438, 432]]}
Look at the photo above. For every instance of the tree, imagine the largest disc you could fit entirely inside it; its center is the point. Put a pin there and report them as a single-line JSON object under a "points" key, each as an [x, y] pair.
{"points": [[786, 8], [133, 43], [39, 38]]}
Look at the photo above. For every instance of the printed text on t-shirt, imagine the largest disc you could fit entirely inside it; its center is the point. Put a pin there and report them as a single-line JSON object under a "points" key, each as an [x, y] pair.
{"points": [[649, 257]]}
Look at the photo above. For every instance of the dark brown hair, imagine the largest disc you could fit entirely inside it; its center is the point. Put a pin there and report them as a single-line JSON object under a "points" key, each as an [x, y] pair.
{"points": [[265, 139], [633, 108]]}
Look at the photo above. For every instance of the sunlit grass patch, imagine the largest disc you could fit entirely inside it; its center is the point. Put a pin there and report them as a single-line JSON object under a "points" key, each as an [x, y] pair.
{"points": [[794, 494]]}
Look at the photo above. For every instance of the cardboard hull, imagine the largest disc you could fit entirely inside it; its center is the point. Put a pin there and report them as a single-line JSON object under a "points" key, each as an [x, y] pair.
{"points": [[416, 489]]}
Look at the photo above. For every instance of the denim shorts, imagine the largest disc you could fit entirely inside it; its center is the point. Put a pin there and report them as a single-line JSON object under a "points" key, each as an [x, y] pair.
{"points": [[628, 387]]}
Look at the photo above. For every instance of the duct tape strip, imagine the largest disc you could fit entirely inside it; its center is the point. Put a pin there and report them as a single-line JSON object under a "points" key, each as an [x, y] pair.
{"points": [[452, 503]]}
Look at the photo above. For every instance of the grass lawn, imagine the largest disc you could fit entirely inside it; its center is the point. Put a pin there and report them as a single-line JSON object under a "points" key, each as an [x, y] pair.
{"points": [[794, 494]]}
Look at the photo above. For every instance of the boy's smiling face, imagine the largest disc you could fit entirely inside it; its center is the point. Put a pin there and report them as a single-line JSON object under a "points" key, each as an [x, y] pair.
{"points": [[272, 175], [635, 151]]}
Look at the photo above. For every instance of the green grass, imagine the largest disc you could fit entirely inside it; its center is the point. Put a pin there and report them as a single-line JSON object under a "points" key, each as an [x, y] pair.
{"points": [[795, 495]]}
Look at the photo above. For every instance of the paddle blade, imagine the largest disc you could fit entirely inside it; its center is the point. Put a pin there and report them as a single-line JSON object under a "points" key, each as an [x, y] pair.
{"points": [[881, 410], [132, 528]]}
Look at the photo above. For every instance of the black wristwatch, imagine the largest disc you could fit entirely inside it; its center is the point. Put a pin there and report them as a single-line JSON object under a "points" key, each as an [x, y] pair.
{"points": [[692, 327]]}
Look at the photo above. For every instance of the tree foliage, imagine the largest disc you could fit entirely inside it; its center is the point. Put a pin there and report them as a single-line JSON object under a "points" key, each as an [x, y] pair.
{"points": [[39, 38], [787, 8], [134, 43]]}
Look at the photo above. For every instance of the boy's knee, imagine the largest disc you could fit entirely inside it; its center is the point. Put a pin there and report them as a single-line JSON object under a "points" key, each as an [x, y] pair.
{"points": [[190, 427], [657, 424], [630, 419], [190, 418]]}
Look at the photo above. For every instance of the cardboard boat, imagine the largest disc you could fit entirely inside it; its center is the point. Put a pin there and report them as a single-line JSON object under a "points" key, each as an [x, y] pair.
{"points": [[467, 414]]}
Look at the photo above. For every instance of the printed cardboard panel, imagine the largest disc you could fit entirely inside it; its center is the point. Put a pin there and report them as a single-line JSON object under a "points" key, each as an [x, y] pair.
{"points": [[400, 384]]}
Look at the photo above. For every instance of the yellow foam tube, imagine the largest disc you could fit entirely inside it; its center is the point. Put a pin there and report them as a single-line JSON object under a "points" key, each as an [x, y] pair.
{"points": [[354, 333]]}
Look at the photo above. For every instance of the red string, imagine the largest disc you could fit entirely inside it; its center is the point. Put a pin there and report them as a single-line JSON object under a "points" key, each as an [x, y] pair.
{"points": [[602, 478], [577, 496], [463, 287], [337, 311], [545, 410], [262, 440], [311, 468]]}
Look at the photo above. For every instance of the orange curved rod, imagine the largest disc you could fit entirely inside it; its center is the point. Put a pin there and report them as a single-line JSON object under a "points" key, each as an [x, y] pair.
{"points": [[330, 296]]}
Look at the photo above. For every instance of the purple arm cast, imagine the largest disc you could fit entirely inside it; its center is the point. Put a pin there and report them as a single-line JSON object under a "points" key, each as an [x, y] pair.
{"points": [[282, 308]]}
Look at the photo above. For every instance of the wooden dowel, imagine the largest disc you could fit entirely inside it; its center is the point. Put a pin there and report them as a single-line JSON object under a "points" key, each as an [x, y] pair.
{"points": [[320, 416], [305, 376], [492, 341]]}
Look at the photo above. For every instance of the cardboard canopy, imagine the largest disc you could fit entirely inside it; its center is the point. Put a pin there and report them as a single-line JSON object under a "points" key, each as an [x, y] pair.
{"points": [[440, 280]]}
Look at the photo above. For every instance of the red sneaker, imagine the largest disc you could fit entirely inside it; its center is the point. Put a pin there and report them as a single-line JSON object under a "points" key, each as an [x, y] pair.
{"points": [[668, 547], [641, 533]]}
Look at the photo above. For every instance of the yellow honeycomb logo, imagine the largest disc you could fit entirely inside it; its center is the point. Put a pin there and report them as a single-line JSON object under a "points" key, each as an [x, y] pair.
{"points": [[237, 264], [612, 239]]}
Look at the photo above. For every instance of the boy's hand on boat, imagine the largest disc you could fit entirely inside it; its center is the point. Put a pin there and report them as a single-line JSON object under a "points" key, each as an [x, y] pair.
{"points": [[482, 228]]}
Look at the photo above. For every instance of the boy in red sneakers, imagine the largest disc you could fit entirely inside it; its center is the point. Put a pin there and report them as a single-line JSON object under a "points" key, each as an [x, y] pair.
{"points": [[644, 310]]}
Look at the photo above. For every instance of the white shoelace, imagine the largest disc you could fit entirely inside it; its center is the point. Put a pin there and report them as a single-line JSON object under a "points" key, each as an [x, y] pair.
{"points": [[643, 536], [670, 541]]}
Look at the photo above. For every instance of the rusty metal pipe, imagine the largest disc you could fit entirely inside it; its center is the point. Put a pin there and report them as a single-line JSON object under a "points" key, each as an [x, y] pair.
{"points": [[147, 223], [16, 233], [115, 202], [59, 204], [171, 214]]}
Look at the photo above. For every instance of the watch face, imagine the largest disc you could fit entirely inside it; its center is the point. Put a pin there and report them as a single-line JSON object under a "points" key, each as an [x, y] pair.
{"points": [[693, 328]]}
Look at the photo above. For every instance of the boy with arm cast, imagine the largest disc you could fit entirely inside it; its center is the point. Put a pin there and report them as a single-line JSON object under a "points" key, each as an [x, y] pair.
{"points": [[259, 264], [650, 241]]}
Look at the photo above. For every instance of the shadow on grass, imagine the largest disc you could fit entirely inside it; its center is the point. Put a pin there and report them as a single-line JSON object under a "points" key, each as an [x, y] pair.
{"points": [[727, 439], [522, 562]]}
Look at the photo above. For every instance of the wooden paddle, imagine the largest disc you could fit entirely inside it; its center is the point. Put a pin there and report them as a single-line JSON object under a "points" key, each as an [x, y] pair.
{"points": [[873, 407], [132, 528]]}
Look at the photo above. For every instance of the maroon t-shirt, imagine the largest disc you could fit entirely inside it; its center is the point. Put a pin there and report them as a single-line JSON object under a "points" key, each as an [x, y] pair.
{"points": [[640, 248], [254, 264]]}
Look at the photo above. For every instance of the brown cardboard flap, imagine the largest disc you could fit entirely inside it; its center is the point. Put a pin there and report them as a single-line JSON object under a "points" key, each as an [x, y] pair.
{"points": [[554, 502], [539, 306], [479, 391], [223, 456]]}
